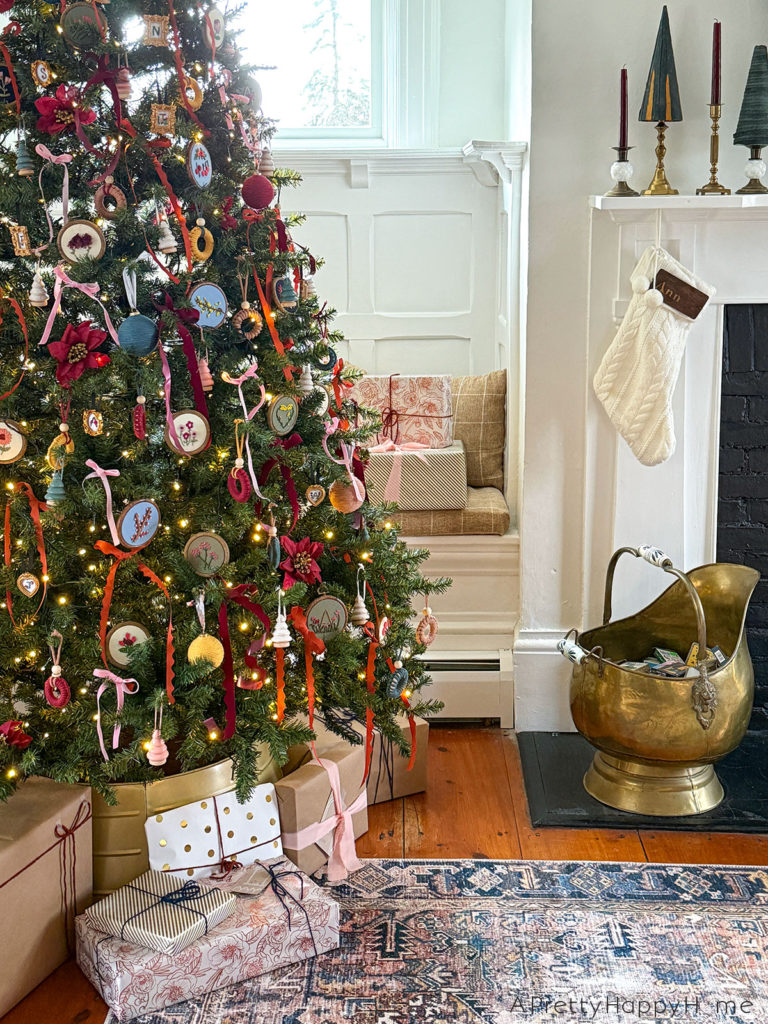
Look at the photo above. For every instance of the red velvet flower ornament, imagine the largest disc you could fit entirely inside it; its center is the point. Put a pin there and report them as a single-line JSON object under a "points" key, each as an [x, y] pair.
{"points": [[5, 6], [13, 734], [57, 113], [300, 566], [75, 352]]}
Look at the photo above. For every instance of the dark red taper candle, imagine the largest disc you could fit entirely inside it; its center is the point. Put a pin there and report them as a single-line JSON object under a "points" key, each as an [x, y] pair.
{"points": [[623, 111], [715, 98]]}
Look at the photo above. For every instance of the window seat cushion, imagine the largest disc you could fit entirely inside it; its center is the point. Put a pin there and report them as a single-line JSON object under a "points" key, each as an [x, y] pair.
{"points": [[486, 513]]}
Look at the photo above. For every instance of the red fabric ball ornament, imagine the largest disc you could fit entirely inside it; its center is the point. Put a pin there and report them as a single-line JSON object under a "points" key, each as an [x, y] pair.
{"points": [[258, 192]]}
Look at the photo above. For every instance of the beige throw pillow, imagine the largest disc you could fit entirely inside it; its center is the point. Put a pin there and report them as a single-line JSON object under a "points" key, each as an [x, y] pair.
{"points": [[479, 420]]}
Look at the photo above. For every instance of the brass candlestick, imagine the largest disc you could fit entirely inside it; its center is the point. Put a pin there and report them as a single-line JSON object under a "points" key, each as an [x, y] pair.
{"points": [[660, 186], [621, 172], [713, 186]]}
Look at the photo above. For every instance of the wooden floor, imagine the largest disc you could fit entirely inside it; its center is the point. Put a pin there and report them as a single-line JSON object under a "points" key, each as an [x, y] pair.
{"points": [[475, 807]]}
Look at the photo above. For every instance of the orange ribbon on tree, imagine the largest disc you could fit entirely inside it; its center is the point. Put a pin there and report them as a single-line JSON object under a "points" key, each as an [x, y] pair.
{"points": [[312, 645], [240, 595], [35, 508], [23, 324], [123, 556]]}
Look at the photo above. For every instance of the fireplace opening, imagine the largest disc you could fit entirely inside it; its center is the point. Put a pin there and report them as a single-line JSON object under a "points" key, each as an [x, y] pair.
{"points": [[742, 525]]}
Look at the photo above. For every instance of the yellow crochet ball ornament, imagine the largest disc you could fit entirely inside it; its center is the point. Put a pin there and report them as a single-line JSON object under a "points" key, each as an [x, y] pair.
{"points": [[206, 648]]}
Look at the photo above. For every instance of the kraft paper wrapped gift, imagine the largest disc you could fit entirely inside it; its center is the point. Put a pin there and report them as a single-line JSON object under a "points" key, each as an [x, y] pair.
{"points": [[40, 897], [264, 933], [315, 829], [389, 778], [413, 409], [418, 480], [160, 911]]}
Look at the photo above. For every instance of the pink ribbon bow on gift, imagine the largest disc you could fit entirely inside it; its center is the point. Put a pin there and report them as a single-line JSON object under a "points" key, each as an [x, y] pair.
{"points": [[122, 686], [103, 475], [394, 480], [343, 857]]}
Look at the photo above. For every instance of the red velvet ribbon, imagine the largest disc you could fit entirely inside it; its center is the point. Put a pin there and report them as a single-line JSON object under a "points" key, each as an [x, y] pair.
{"points": [[178, 57], [35, 508], [23, 324], [237, 595], [123, 556], [109, 78], [182, 318], [312, 645], [11, 29], [285, 443]]}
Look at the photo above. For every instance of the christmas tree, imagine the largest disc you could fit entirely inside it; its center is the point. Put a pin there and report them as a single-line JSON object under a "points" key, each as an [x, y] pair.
{"points": [[189, 565]]}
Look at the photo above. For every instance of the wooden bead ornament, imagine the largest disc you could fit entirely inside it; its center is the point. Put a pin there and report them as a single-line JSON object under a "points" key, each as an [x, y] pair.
{"points": [[109, 199], [266, 163], [238, 484], [157, 751], [55, 687], [206, 377], [61, 446], [166, 243], [427, 627], [201, 253], [193, 92], [38, 296], [247, 320]]}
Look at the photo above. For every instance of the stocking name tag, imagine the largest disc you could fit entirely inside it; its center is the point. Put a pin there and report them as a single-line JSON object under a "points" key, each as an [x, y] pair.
{"points": [[679, 295]]}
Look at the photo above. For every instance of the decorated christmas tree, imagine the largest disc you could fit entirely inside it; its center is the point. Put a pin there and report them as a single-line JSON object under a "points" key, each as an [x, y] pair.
{"points": [[190, 564]]}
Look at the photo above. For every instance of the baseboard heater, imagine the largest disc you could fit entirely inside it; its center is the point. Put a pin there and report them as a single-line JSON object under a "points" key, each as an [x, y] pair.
{"points": [[462, 665]]}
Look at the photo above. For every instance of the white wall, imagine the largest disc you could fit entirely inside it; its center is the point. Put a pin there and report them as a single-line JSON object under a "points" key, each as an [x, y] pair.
{"points": [[578, 48]]}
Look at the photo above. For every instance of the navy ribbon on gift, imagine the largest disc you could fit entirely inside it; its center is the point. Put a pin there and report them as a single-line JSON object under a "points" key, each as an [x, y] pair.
{"points": [[175, 898], [285, 895]]}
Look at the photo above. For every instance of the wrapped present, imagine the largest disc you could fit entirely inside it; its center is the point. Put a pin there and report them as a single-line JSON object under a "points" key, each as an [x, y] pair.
{"points": [[45, 880], [291, 920], [161, 912], [210, 835], [417, 478], [413, 409], [323, 809], [391, 775]]}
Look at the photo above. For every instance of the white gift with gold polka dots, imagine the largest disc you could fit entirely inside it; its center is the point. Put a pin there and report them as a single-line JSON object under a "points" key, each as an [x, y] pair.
{"points": [[194, 840]]}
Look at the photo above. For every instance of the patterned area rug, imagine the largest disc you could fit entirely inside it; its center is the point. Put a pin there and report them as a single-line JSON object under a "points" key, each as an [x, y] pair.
{"points": [[503, 942]]}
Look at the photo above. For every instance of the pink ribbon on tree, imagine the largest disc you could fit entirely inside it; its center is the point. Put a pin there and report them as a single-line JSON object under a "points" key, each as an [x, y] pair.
{"points": [[122, 686], [91, 290], [347, 450], [238, 382], [343, 857], [103, 475], [394, 480], [62, 161]]}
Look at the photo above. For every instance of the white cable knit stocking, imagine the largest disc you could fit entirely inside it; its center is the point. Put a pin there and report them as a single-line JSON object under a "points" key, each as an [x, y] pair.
{"points": [[638, 374]]}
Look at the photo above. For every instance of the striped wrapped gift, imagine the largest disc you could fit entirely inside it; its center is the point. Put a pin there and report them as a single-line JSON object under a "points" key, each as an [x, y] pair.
{"points": [[418, 478], [160, 912]]}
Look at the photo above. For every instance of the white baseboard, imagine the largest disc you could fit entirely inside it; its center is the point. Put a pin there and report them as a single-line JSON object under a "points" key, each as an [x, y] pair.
{"points": [[542, 677]]}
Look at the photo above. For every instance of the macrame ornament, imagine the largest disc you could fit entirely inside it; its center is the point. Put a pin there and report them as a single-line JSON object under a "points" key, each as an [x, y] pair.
{"points": [[238, 484], [198, 234], [398, 680], [359, 614], [157, 751], [274, 554], [38, 296], [140, 418], [637, 377], [206, 377], [247, 320], [427, 627], [55, 687], [204, 647], [109, 199], [166, 243]]}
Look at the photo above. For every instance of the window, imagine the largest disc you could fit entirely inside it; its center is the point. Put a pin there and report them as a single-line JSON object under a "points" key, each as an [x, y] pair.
{"points": [[323, 66]]}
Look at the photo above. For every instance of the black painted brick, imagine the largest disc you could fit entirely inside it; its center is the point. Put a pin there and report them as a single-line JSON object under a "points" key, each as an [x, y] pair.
{"points": [[757, 460], [760, 336], [744, 384], [738, 344], [734, 410], [745, 485], [757, 410], [745, 435], [732, 512], [757, 514], [733, 460]]}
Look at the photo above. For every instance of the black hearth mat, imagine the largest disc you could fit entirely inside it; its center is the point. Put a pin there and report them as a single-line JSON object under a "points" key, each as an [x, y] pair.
{"points": [[554, 764]]}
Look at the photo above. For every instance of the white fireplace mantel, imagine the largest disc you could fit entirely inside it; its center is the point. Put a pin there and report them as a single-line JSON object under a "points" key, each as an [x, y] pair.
{"points": [[621, 502]]}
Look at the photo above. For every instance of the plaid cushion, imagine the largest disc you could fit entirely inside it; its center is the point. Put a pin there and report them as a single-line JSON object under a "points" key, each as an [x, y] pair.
{"points": [[479, 420], [486, 513]]}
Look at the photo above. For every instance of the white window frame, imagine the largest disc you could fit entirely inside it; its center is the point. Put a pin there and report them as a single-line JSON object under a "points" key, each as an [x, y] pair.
{"points": [[405, 79]]}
